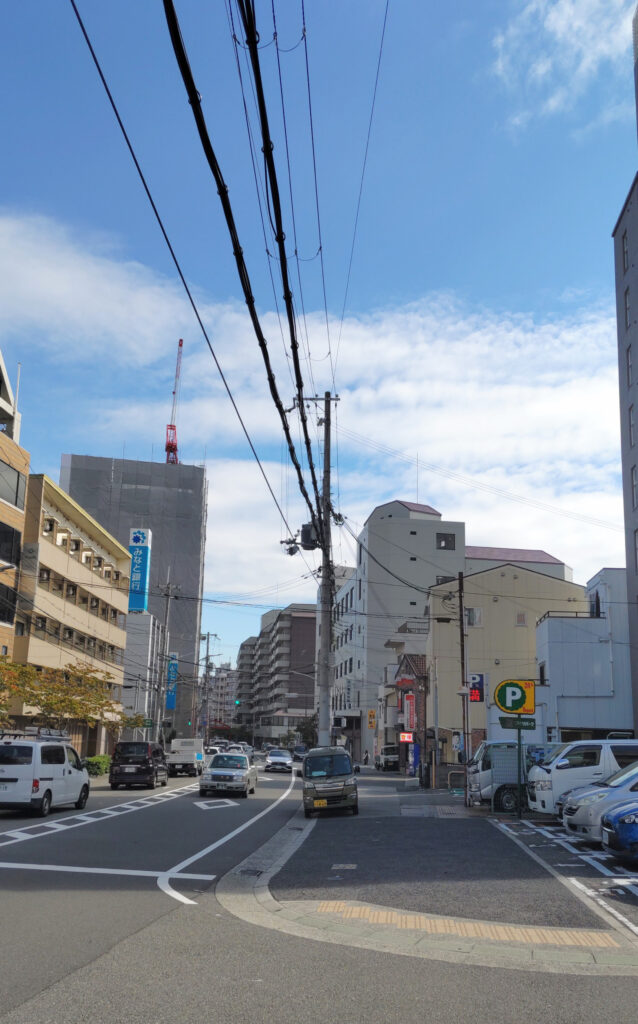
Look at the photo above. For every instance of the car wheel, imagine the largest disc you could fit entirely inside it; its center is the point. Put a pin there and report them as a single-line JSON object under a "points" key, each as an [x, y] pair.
{"points": [[203, 792], [507, 800], [152, 782], [165, 780], [45, 805], [307, 813], [115, 785], [80, 803], [355, 809], [245, 793]]}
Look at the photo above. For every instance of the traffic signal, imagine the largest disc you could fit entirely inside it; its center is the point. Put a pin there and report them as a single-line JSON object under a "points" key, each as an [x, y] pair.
{"points": [[189, 722], [237, 701]]}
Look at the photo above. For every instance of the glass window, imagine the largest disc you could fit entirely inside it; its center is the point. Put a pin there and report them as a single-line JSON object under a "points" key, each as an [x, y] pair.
{"points": [[625, 252], [445, 541], [625, 756], [636, 550], [15, 753], [583, 757], [8, 598], [634, 487], [74, 758], [12, 485], [52, 755], [10, 543], [521, 618], [326, 766], [627, 313], [632, 422], [474, 616]]}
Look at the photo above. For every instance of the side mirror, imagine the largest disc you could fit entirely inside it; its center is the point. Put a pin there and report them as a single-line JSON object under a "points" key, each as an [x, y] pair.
{"points": [[563, 763], [357, 768]]}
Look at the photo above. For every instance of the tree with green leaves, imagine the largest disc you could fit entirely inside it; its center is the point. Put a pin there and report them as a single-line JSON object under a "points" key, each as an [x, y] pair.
{"points": [[57, 696]]}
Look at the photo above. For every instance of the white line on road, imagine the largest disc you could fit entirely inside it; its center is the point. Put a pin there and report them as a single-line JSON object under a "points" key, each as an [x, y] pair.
{"points": [[163, 880], [97, 871]]}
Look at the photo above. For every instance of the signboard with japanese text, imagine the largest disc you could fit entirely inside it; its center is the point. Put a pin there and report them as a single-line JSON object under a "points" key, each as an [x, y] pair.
{"points": [[410, 711], [171, 682], [372, 719], [406, 737], [476, 687], [140, 551]]}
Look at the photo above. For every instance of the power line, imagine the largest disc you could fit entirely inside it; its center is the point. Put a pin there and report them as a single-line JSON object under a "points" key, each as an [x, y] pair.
{"points": [[175, 260], [194, 99]]}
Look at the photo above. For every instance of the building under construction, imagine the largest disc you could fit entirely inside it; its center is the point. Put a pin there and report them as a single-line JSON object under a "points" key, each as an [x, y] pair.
{"points": [[170, 500]]}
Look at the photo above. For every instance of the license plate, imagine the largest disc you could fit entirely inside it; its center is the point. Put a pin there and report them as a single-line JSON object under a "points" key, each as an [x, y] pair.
{"points": [[129, 768], [320, 803]]}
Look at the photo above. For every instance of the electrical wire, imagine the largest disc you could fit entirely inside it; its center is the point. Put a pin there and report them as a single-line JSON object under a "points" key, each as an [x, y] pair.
{"points": [[194, 99]]}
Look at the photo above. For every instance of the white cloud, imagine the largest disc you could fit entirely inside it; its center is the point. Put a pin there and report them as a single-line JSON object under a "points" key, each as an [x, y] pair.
{"points": [[512, 402], [551, 51]]}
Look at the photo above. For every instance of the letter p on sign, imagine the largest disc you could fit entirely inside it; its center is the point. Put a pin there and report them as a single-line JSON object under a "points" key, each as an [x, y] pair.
{"points": [[515, 696]]}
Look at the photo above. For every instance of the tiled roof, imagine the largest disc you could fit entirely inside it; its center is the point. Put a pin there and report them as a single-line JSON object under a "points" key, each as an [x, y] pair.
{"points": [[510, 555], [412, 506]]}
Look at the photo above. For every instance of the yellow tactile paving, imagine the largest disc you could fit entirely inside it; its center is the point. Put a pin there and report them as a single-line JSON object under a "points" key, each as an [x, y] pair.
{"points": [[530, 935]]}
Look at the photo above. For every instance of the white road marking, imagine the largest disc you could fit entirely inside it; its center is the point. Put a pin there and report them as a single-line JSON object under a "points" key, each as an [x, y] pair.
{"points": [[213, 805], [593, 895], [163, 880], [97, 871], [50, 828]]}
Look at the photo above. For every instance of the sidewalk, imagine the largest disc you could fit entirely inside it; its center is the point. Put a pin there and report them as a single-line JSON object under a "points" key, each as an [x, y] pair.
{"points": [[442, 883]]}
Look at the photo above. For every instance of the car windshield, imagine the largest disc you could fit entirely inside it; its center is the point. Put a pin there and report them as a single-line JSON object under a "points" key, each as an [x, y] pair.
{"points": [[621, 777], [15, 753], [130, 749], [279, 753], [556, 754], [229, 761], [327, 765]]}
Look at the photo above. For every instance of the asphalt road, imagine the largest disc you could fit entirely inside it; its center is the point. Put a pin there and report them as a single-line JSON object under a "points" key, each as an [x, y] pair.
{"points": [[97, 942]]}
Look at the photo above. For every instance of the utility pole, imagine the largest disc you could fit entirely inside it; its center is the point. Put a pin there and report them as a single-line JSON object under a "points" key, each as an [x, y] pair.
{"points": [[464, 690], [325, 594], [161, 696]]}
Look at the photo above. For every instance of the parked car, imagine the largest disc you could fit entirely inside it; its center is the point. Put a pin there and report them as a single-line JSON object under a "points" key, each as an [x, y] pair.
{"points": [[232, 773], [329, 780], [299, 752], [137, 763], [40, 772], [578, 763], [278, 760], [620, 830], [584, 808]]}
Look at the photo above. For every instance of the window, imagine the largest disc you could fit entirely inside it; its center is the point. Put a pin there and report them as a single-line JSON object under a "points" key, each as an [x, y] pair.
{"points": [[4, 650], [625, 252], [8, 598], [521, 618], [10, 541], [634, 487], [627, 320], [583, 757], [413, 558], [13, 485], [19, 628], [445, 541], [632, 437], [350, 665], [625, 755], [413, 533], [474, 616], [360, 580], [52, 755], [636, 550]]}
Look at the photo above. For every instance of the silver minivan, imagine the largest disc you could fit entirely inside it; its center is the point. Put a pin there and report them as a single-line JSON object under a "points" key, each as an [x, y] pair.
{"points": [[38, 773]]}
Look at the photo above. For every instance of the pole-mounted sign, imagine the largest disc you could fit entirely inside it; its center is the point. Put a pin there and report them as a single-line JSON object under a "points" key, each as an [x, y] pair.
{"points": [[515, 696]]}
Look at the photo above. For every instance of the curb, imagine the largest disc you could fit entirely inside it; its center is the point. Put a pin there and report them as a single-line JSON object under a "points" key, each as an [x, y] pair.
{"points": [[244, 892]]}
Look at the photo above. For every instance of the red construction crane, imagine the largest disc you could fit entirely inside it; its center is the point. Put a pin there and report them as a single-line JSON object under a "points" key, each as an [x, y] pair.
{"points": [[171, 429]]}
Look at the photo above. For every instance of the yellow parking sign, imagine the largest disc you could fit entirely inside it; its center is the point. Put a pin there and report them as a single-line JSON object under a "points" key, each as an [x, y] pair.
{"points": [[372, 719], [516, 696]]}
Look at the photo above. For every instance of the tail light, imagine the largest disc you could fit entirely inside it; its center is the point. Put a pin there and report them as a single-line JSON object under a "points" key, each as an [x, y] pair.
{"points": [[35, 788]]}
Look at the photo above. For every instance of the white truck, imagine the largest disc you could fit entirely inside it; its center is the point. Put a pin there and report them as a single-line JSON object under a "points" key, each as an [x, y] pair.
{"points": [[492, 775], [186, 756]]}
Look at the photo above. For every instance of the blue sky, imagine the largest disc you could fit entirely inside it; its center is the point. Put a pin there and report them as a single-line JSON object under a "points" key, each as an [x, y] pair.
{"points": [[479, 326]]}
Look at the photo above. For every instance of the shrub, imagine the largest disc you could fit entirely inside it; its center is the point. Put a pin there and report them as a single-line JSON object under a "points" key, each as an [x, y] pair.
{"points": [[98, 765]]}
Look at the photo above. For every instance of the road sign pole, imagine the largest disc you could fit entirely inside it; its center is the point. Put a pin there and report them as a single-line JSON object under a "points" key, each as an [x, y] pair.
{"points": [[518, 769]]}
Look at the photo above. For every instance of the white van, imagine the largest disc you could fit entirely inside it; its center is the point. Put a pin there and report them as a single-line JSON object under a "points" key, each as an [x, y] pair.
{"points": [[579, 763], [40, 772]]}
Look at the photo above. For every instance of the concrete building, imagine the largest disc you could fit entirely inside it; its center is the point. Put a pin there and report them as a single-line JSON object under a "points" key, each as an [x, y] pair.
{"points": [[219, 702], [73, 592], [279, 668], [502, 606], [584, 676], [245, 682], [404, 549], [169, 500], [143, 666], [14, 472]]}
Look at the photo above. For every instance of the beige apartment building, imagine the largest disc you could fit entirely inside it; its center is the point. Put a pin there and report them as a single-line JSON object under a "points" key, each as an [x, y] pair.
{"points": [[502, 606], [14, 472], [73, 593]]}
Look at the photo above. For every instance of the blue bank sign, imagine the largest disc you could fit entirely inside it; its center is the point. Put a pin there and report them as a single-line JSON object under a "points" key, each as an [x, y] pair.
{"points": [[140, 551], [171, 682]]}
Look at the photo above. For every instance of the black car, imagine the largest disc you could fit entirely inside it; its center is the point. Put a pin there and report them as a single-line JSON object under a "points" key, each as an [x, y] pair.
{"points": [[137, 763], [299, 752]]}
